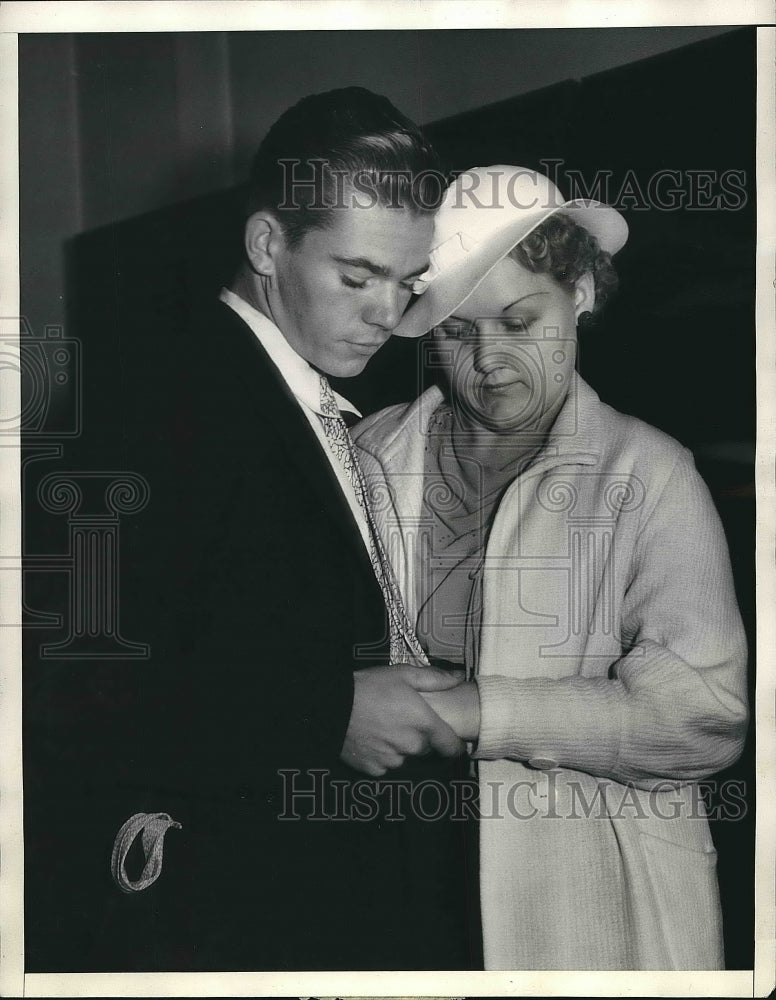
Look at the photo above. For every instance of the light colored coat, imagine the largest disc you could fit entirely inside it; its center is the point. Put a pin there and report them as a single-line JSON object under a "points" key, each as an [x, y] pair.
{"points": [[611, 667]]}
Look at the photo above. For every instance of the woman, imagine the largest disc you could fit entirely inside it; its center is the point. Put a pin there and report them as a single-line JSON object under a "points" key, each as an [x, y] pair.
{"points": [[571, 558]]}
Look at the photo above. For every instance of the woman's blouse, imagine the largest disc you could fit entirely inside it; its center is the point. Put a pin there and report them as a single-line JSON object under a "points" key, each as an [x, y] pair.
{"points": [[456, 519]]}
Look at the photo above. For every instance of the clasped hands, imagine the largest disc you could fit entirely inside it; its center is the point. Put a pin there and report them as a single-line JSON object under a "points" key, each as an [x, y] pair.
{"points": [[406, 711]]}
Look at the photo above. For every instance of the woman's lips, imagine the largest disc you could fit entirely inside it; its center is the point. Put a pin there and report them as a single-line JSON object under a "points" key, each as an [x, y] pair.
{"points": [[497, 382]]}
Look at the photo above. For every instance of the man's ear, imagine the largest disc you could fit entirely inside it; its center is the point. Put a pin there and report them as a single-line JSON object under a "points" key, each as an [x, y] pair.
{"points": [[584, 294], [263, 240]]}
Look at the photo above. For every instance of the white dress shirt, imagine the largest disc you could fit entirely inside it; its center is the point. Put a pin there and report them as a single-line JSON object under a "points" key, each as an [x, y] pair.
{"points": [[304, 383]]}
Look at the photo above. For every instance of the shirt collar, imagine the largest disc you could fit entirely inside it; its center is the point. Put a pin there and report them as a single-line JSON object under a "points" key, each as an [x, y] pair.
{"points": [[302, 379]]}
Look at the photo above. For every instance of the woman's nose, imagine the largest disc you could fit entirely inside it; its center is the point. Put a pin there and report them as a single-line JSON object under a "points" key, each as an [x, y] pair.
{"points": [[487, 347]]}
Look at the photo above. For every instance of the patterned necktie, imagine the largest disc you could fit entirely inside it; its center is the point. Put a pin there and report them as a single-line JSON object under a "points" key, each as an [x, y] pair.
{"points": [[404, 644]]}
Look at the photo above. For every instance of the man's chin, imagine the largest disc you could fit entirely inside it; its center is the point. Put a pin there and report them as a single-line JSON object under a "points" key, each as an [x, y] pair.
{"points": [[345, 367]]}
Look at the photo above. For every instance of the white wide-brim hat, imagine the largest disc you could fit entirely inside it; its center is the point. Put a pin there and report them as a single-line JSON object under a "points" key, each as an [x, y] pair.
{"points": [[485, 212]]}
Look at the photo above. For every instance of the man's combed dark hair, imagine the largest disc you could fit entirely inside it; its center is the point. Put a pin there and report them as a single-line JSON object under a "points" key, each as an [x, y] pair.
{"points": [[349, 134], [561, 248]]}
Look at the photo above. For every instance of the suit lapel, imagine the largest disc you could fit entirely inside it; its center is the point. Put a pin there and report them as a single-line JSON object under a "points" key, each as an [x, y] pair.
{"points": [[276, 406]]}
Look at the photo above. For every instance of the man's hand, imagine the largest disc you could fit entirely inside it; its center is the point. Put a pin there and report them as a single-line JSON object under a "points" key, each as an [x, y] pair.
{"points": [[391, 720], [459, 707]]}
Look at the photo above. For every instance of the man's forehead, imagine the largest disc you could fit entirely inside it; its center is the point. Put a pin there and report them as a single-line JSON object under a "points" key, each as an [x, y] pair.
{"points": [[383, 239]]}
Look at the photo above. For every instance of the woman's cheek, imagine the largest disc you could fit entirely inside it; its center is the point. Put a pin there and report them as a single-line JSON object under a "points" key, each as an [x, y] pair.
{"points": [[459, 368]]}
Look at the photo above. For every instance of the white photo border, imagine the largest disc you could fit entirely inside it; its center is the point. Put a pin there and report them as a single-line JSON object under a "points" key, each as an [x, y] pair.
{"points": [[290, 15]]}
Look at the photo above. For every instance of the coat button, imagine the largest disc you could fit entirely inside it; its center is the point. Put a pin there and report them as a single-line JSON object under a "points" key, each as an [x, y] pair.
{"points": [[542, 763]]}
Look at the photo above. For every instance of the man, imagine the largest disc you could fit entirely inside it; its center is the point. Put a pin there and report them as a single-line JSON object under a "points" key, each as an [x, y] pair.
{"points": [[270, 617]]}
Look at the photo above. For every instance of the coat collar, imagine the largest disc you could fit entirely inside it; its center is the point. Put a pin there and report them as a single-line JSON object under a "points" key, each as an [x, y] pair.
{"points": [[276, 407], [298, 374]]}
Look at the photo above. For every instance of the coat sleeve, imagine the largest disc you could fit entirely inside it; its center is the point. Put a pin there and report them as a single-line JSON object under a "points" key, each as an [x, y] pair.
{"points": [[673, 706]]}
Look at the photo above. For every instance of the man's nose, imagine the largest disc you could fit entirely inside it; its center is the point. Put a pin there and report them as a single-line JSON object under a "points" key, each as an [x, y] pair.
{"points": [[385, 307]]}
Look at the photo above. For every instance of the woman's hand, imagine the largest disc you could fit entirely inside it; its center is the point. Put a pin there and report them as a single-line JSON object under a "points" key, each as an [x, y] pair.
{"points": [[459, 707]]}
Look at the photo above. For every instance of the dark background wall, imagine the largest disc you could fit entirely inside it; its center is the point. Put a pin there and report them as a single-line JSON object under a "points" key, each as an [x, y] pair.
{"points": [[132, 147], [113, 125]]}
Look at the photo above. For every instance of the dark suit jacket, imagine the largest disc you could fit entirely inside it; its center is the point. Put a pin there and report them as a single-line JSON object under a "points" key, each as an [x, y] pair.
{"points": [[247, 576]]}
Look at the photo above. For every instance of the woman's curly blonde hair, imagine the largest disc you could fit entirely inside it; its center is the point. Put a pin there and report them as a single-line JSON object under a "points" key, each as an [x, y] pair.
{"points": [[565, 250]]}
